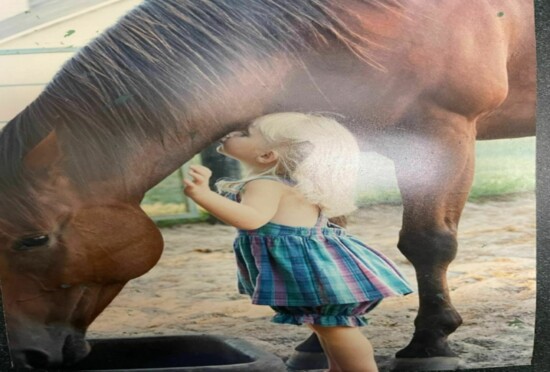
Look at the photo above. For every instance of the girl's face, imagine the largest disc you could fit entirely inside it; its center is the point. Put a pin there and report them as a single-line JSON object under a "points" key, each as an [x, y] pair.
{"points": [[248, 146]]}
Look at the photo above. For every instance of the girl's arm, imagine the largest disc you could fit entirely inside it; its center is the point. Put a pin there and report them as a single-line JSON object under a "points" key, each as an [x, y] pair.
{"points": [[258, 205]]}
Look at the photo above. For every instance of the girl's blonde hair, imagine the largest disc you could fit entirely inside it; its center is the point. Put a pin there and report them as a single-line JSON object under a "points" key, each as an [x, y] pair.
{"points": [[316, 153]]}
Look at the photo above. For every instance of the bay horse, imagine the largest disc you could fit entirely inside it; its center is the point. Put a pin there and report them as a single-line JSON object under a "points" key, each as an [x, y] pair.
{"points": [[417, 81]]}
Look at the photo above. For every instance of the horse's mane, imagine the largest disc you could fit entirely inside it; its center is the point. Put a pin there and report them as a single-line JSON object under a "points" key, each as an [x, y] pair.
{"points": [[135, 79]]}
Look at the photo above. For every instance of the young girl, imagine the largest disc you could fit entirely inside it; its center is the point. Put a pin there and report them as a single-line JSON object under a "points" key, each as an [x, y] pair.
{"points": [[301, 170]]}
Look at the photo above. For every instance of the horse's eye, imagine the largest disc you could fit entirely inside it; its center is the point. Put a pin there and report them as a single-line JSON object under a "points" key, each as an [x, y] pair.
{"points": [[31, 242]]}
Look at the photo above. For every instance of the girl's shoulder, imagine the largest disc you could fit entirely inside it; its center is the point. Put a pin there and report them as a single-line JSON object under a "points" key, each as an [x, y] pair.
{"points": [[266, 181], [282, 180], [233, 189]]}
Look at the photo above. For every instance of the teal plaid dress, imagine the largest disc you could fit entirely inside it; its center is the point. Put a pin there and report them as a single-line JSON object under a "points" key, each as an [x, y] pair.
{"points": [[319, 275]]}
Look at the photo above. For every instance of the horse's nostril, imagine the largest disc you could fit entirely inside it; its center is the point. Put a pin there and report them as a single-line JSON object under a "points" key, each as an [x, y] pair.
{"points": [[37, 359], [76, 348]]}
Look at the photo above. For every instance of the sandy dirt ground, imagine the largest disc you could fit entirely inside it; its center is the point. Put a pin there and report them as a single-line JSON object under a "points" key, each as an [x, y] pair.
{"points": [[492, 281]]}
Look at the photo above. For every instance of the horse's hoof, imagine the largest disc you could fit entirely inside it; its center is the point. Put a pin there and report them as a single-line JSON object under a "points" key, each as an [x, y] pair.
{"points": [[306, 360], [426, 364]]}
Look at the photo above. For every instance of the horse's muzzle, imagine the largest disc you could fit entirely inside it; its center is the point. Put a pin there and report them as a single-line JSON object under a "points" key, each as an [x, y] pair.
{"points": [[74, 349]]}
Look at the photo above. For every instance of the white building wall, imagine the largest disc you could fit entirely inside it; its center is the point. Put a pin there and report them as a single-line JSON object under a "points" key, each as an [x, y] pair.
{"points": [[25, 63]]}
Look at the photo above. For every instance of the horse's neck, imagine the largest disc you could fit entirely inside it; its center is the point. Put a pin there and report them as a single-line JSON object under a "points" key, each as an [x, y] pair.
{"points": [[213, 119], [243, 97], [156, 160]]}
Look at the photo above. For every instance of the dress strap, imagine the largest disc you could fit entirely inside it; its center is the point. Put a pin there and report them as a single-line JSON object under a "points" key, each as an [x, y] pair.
{"points": [[286, 181], [322, 220], [236, 194]]}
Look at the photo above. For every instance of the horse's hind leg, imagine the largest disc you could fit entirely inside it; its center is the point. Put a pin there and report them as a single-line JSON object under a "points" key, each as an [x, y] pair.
{"points": [[435, 173], [308, 355]]}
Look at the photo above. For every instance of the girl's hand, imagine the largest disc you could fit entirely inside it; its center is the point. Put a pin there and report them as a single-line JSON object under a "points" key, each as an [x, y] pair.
{"points": [[198, 185]]}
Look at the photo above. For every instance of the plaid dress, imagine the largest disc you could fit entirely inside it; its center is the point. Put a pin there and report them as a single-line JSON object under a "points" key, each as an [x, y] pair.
{"points": [[318, 275]]}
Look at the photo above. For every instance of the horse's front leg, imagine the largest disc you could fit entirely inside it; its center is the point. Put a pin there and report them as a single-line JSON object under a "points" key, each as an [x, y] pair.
{"points": [[434, 173]]}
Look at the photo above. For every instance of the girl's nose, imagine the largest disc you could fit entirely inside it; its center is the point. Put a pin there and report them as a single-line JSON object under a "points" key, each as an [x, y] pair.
{"points": [[227, 136]]}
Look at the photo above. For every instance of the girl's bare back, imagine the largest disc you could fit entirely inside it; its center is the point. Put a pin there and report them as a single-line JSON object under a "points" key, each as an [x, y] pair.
{"points": [[294, 209]]}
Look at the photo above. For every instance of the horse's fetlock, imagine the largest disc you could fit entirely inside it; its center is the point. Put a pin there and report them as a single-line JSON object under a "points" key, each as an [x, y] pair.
{"points": [[445, 321]]}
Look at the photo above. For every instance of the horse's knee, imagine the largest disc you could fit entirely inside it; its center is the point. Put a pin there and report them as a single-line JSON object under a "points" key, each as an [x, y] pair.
{"points": [[428, 247]]}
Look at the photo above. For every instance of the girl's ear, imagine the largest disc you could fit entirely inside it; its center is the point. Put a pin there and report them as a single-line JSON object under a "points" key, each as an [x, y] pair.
{"points": [[268, 157]]}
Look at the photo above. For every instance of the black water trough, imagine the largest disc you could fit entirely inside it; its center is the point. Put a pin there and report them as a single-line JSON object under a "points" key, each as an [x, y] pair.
{"points": [[204, 353]]}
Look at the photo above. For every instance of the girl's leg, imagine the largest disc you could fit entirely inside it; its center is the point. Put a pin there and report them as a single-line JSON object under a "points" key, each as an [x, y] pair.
{"points": [[348, 347]]}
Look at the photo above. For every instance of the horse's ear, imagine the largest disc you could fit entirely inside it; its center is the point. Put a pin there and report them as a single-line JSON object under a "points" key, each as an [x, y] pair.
{"points": [[44, 155]]}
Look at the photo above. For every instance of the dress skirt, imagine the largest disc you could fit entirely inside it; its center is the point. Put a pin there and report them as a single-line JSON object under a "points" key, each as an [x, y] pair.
{"points": [[319, 275]]}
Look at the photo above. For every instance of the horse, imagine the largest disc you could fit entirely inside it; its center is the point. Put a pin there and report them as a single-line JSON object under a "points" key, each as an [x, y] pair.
{"points": [[417, 81]]}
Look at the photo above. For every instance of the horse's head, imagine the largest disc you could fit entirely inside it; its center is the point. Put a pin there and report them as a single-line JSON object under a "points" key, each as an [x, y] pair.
{"points": [[64, 255]]}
